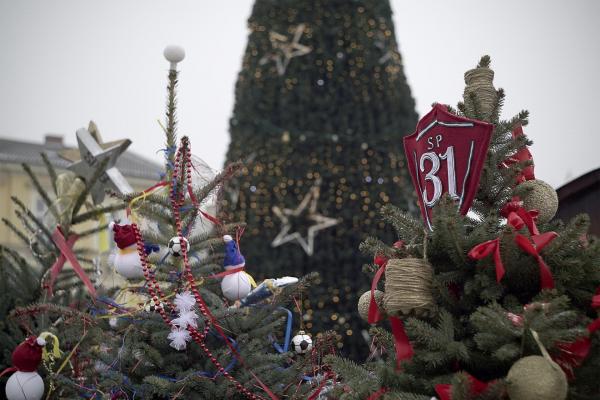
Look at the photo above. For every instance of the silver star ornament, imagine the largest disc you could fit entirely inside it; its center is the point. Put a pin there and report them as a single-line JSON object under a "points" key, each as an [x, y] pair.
{"points": [[309, 206], [92, 156]]}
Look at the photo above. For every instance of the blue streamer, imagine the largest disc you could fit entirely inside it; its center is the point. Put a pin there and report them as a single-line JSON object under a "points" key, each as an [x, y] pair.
{"points": [[288, 333]]}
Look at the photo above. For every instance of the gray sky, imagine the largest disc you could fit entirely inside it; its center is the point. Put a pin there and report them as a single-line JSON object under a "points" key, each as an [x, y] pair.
{"points": [[65, 62]]}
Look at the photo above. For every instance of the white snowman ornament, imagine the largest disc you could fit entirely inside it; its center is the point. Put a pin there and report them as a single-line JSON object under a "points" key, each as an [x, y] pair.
{"points": [[302, 343], [237, 284], [25, 383], [127, 260]]}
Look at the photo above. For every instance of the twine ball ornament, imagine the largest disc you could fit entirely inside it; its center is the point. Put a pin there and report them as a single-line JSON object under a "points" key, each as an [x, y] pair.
{"points": [[408, 286], [536, 378], [538, 195], [479, 81], [365, 300]]}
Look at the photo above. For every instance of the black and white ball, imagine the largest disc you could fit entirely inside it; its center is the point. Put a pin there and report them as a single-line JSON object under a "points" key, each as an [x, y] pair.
{"points": [[302, 343], [176, 246], [152, 306]]}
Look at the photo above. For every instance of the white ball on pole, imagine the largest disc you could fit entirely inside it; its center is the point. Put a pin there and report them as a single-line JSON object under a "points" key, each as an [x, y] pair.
{"points": [[174, 54]]}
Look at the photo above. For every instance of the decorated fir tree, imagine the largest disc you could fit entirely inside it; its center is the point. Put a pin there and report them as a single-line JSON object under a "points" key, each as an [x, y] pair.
{"points": [[321, 106], [189, 322], [496, 303]]}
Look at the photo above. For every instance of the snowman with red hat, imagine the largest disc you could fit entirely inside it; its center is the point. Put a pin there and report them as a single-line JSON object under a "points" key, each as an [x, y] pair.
{"points": [[127, 260], [25, 383]]}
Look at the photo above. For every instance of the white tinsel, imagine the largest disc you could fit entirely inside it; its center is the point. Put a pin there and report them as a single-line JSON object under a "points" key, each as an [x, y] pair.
{"points": [[179, 338], [184, 301], [186, 318]]}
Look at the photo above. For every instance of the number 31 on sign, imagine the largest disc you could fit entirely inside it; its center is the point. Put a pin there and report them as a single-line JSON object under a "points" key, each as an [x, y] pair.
{"points": [[445, 155]]}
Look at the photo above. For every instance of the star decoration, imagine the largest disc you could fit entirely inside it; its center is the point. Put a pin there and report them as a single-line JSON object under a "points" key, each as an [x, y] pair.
{"points": [[307, 209], [285, 49], [92, 155]]}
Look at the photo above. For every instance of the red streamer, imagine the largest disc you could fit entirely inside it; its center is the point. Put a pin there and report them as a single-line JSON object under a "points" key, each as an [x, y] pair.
{"points": [[66, 254], [522, 155], [321, 386]]}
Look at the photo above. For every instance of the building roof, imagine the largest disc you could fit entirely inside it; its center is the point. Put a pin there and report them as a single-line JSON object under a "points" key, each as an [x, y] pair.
{"points": [[15, 151], [583, 184]]}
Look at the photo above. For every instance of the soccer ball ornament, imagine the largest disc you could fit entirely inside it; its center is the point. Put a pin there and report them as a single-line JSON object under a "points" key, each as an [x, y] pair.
{"points": [[236, 285], [536, 378], [302, 343], [176, 246], [127, 260]]}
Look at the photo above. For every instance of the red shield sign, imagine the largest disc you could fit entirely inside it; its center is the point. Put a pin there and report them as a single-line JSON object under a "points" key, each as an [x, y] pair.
{"points": [[446, 155]]}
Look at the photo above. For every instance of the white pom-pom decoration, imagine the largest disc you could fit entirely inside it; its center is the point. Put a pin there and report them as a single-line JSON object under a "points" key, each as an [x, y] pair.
{"points": [[179, 338], [24, 386], [176, 246], [185, 319], [184, 301], [174, 54], [302, 343]]}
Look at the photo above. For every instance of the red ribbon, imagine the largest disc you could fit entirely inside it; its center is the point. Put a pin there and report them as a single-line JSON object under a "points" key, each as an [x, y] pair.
{"points": [[518, 217], [596, 299], [66, 254], [374, 313], [225, 273], [484, 249], [539, 242], [404, 350], [572, 355], [523, 154], [402, 344], [378, 394], [444, 391]]}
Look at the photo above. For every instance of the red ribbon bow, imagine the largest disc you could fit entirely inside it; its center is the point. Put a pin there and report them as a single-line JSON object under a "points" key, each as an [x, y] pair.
{"points": [[66, 254], [518, 217]]}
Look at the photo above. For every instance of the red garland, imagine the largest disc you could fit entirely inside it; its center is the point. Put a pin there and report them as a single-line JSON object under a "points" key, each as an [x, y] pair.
{"points": [[177, 201]]}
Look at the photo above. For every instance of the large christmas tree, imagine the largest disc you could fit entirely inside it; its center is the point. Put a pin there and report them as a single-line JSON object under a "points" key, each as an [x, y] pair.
{"points": [[500, 303], [321, 107]]}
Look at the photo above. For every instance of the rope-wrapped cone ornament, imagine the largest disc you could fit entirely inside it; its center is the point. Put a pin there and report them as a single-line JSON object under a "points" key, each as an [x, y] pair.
{"points": [[480, 82], [538, 195], [364, 301], [408, 285]]}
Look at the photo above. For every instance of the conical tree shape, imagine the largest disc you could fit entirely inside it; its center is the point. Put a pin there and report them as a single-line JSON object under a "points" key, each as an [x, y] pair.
{"points": [[321, 107]]}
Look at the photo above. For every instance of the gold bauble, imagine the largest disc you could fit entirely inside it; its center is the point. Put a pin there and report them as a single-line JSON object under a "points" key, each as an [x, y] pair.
{"points": [[538, 195], [536, 378], [408, 283], [365, 300]]}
